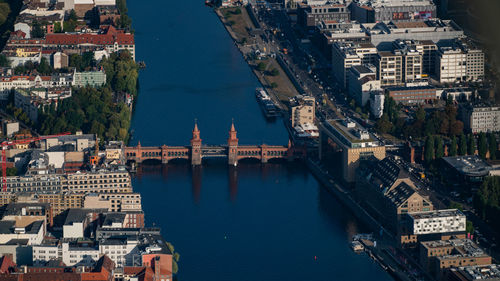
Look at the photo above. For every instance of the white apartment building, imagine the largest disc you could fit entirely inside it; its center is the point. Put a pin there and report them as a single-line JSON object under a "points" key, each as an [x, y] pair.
{"points": [[121, 251], [377, 104], [437, 221], [482, 119], [79, 255], [451, 66], [43, 253], [362, 82], [345, 55], [390, 69]]}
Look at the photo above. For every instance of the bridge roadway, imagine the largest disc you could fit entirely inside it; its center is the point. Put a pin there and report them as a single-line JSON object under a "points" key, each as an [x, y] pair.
{"points": [[195, 152]]}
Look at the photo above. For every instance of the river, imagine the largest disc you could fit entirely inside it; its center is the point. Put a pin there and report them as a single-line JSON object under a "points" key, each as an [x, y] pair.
{"points": [[253, 222]]}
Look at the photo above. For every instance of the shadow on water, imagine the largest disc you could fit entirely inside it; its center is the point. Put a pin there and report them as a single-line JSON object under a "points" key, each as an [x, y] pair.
{"points": [[183, 169]]}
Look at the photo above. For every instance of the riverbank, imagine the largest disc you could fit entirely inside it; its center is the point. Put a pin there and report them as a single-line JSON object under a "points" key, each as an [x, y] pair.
{"points": [[280, 86]]}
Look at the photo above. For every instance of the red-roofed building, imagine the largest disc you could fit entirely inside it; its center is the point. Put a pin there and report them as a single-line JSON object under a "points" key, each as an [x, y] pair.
{"points": [[114, 40], [142, 273], [6, 265], [161, 264]]}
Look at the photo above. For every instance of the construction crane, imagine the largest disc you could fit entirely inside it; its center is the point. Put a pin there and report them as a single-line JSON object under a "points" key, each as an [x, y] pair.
{"points": [[7, 143]]}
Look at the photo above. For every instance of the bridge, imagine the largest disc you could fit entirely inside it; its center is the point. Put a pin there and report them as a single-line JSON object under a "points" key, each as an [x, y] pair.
{"points": [[196, 151]]}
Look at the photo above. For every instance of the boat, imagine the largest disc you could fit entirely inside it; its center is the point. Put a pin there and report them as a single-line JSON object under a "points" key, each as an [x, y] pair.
{"points": [[209, 3], [266, 103], [356, 246]]}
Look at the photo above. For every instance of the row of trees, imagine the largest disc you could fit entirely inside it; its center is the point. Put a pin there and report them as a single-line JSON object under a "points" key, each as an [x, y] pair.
{"points": [[124, 21], [487, 201], [4, 62], [463, 145], [439, 122]]}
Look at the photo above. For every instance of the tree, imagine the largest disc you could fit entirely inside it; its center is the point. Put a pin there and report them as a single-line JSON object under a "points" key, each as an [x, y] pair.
{"points": [[72, 15], [471, 145], [4, 62], [57, 27], [462, 146], [37, 30], [439, 152], [429, 149], [453, 147], [420, 114], [383, 124], [469, 227], [274, 72], [482, 145], [261, 66], [493, 146], [44, 67], [76, 61]]}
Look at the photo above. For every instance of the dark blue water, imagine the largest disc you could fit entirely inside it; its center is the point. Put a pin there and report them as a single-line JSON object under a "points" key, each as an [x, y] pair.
{"points": [[253, 222]]}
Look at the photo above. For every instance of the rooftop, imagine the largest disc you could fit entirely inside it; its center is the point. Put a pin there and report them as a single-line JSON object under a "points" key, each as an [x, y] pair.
{"points": [[471, 165], [461, 248], [478, 272], [436, 214], [350, 130]]}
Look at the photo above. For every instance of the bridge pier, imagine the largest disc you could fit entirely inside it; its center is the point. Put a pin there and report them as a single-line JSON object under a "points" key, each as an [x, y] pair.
{"points": [[196, 147]]}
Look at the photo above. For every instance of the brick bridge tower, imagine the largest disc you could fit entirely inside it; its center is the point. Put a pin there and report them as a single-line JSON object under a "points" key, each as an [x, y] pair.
{"points": [[196, 146], [232, 146]]}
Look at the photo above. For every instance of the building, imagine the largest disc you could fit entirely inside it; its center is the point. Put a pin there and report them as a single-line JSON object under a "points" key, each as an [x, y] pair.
{"points": [[60, 202], [451, 66], [480, 118], [437, 256], [89, 78], [412, 95], [459, 61], [114, 202], [308, 16], [382, 34], [77, 142], [352, 141], [124, 246], [413, 60], [10, 128], [387, 192], [456, 94], [437, 221], [389, 68], [346, 54], [101, 270], [465, 170], [8, 83], [363, 82], [430, 226], [392, 10], [302, 110], [490, 272], [112, 39], [377, 104], [329, 32], [32, 100], [59, 60], [102, 181]]}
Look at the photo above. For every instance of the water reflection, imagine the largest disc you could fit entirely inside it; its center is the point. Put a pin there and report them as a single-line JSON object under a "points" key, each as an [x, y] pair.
{"points": [[233, 182], [338, 215]]}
